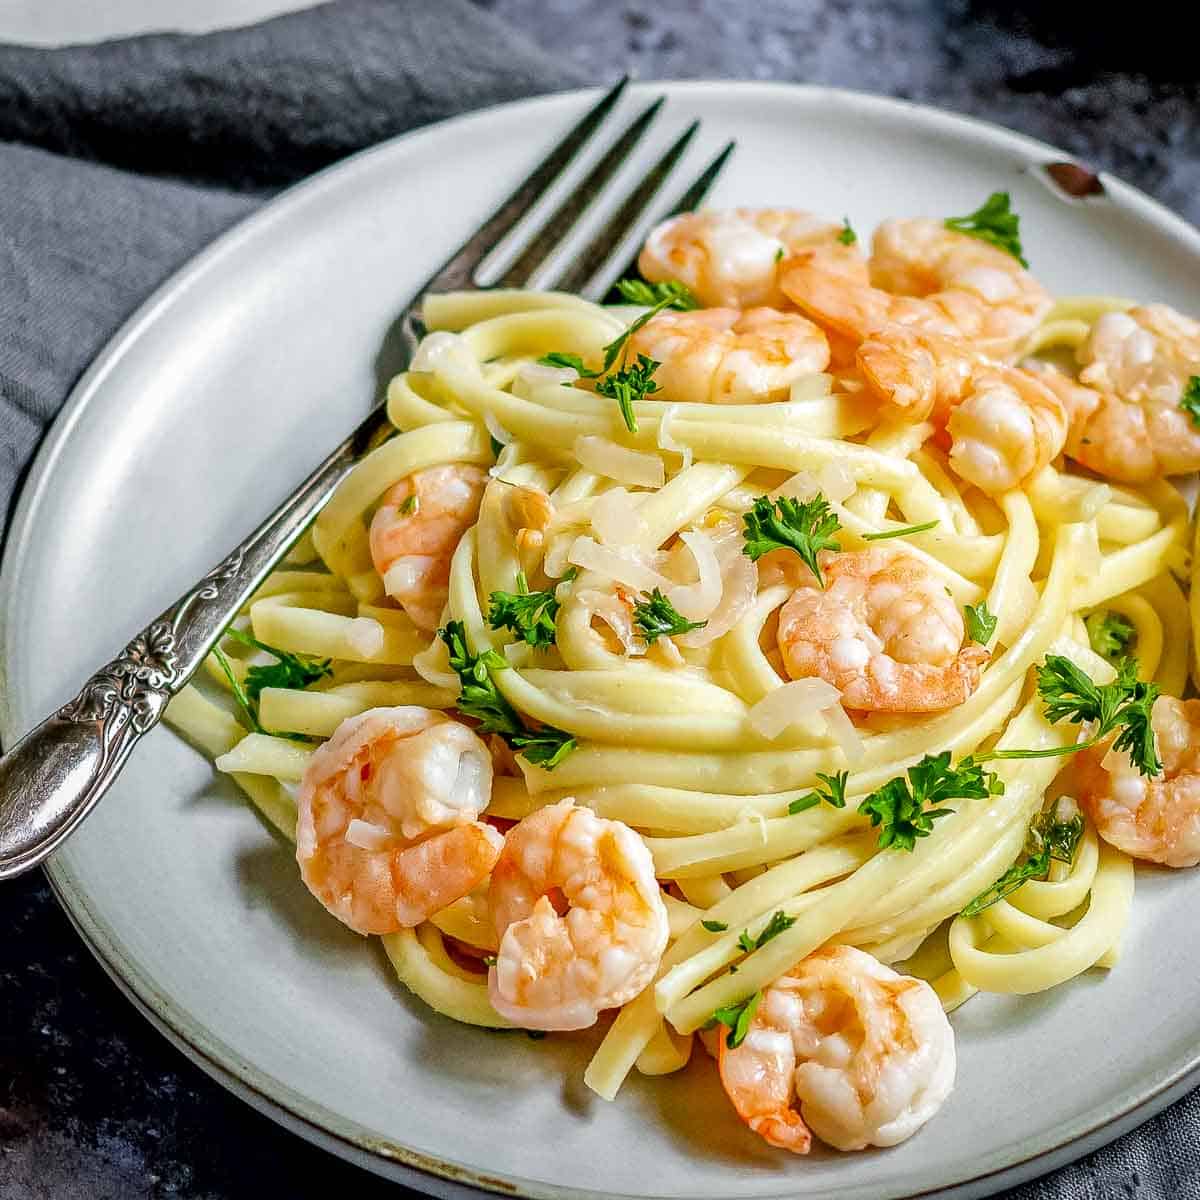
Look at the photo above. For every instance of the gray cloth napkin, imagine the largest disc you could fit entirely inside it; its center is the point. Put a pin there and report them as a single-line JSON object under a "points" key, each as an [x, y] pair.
{"points": [[118, 162]]}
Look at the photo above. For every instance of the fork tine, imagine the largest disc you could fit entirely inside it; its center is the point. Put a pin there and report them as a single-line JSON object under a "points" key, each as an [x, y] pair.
{"points": [[573, 207], [690, 200], [459, 268], [596, 253]]}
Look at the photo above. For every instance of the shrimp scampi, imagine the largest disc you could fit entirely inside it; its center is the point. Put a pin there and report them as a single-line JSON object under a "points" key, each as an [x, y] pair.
{"points": [[731, 258], [883, 631], [1004, 423], [926, 277], [415, 531], [726, 356], [1155, 819], [580, 918], [1127, 421], [846, 1047], [387, 832]]}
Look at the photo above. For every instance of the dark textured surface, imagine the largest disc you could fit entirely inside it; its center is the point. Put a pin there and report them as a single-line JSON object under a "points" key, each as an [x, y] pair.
{"points": [[94, 1104]]}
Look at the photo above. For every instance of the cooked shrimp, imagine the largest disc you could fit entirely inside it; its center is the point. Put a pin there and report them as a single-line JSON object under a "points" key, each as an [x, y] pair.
{"points": [[928, 277], [1125, 419], [846, 1046], [1004, 423], [883, 631], [1155, 819], [731, 258], [579, 915], [387, 834], [724, 356], [415, 531]]}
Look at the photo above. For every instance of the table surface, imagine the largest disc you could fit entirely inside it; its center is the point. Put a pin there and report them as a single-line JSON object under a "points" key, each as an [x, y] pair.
{"points": [[94, 1104]]}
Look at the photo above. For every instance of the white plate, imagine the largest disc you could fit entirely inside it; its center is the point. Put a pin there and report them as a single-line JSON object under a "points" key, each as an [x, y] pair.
{"points": [[222, 391]]}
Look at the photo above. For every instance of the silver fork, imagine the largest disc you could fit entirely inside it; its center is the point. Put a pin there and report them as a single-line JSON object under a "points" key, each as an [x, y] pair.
{"points": [[54, 776]]}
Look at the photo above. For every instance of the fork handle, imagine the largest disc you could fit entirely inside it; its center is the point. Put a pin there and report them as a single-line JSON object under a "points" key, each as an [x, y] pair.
{"points": [[55, 775]]}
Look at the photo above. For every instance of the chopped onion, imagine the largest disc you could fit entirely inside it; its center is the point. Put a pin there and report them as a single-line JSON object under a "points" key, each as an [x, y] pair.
{"points": [[531, 376], [507, 457], [366, 836], [739, 586], [843, 732], [433, 665], [615, 518], [496, 429], [441, 349], [607, 607], [696, 601], [667, 442], [621, 566], [791, 703], [606, 457]]}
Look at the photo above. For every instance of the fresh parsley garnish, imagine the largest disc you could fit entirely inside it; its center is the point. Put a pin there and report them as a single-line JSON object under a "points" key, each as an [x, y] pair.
{"points": [[1110, 633], [655, 616], [779, 254], [981, 623], [530, 615], [715, 926], [288, 671], [481, 699], [557, 359], [1049, 840], [676, 294], [806, 526], [1190, 400], [1123, 706], [410, 506], [736, 1018], [833, 793], [774, 927], [901, 808], [628, 385], [894, 533], [847, 237], [489, 960], [993, 222]]}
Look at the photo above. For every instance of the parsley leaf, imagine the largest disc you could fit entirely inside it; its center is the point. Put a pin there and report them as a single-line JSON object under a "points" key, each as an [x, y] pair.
{"points": [[774, 927], [638, 291], [1049, 839], [411, 506], [847, 237], [656, 617], [894, 533], [1190, 400], [779, 255], [481, 699], [1110, 633], [806, 526], [557, 359], [290, 671], [900, 807], [1123, 706], [736, 1018], [530, 615], [715, 926], [630, 384], [993, 222], [627, 384], [833, 793], [981, 623]]}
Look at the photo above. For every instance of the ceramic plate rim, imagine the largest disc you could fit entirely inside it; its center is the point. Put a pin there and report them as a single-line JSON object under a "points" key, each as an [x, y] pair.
{"points": [[186, 1031]]}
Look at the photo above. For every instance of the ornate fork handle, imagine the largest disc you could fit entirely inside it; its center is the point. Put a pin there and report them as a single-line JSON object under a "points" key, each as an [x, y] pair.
{"points": [[54, 776]]}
